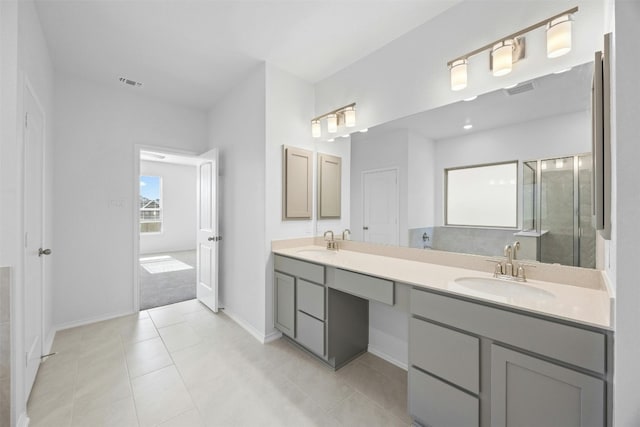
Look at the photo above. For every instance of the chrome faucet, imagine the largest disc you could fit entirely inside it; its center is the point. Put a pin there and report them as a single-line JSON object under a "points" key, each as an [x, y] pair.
{"points": [[508, 269], [331, 243], [346, 233]]}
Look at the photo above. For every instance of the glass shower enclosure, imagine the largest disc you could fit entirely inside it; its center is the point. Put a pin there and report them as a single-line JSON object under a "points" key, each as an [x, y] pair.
{"points": [[557, 209]]}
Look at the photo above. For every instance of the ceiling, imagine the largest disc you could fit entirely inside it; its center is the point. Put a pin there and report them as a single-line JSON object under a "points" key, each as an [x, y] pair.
{"points": [[552, 95], [192, 52]]}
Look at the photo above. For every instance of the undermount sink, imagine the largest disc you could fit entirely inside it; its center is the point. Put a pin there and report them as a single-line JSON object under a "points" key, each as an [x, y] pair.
{"points": [[501, 288], [316, 252]]}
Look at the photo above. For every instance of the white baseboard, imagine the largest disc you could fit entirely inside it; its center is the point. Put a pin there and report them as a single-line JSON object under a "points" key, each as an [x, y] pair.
{"points": [[48, 342], [388, 358], [250, 328], [90, 320], [23, 420]]}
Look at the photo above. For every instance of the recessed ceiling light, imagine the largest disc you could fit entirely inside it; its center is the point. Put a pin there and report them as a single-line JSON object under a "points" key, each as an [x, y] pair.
{"points": [[470, 98], [564, 70], [511, 86], [365, 130], [467, 126]]}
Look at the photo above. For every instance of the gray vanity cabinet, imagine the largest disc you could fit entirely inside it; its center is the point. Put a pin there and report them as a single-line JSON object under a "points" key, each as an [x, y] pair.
{"points": [[331, 324], [477, 364], [529, 391], [285, 294]]}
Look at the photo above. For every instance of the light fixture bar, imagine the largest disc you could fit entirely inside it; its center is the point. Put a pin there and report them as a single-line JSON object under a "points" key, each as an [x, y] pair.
{"points": [[336, 111], [513, 36]]}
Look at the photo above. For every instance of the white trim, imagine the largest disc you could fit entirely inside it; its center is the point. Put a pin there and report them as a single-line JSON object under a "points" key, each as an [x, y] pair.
{"points": [[23, 420], [250, 328], [136, 212], [385, 356], [48, 342], [90, 320]]}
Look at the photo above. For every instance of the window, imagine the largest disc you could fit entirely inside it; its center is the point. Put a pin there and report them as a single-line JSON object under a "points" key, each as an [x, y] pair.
{"points": [[482, 196], [150, 204]]}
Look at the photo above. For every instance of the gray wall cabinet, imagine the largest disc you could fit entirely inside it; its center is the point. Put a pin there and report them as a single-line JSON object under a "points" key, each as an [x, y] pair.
{"points": [[330, 324], [504, 368]]}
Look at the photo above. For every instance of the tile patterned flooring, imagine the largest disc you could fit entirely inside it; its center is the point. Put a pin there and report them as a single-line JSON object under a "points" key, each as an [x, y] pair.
{"points": [[184, 366]]}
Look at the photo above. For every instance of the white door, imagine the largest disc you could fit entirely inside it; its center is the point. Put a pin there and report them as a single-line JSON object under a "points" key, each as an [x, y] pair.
{"points": [[380, 202], [34, 232], [208, 237]]}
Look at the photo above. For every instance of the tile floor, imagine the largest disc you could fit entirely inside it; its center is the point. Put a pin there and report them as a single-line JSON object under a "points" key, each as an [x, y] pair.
{"points": [[160, 289], [184, 366]]}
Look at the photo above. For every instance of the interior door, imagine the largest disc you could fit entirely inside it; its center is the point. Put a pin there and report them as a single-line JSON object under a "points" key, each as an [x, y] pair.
{"points": [[34, 235], [207, 235], [380, 202]]}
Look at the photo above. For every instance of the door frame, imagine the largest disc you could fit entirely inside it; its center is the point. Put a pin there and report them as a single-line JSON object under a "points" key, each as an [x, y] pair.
{"points": [[397, 171], [45, 341], [134, 209]]}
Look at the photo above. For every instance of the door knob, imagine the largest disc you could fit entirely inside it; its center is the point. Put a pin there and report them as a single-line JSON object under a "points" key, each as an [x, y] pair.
{"points": [[365, 228], [44, 252], [211, 239]]}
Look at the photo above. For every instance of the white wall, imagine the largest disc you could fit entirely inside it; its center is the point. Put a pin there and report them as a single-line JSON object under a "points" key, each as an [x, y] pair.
{"points": [[626, 198], [237, 129], [179, 208], [564, 135], [410, 75], [421, 181], [370, 151], [289, 109], [96, 132]]}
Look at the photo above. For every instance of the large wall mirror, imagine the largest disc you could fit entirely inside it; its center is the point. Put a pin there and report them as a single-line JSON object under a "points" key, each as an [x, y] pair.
{"points": [[542, 128]]}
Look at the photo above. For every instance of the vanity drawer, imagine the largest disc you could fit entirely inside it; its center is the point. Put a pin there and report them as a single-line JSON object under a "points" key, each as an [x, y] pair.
{"points": [[303, 269], [364, 286], [579, 347], [310, 333], [446, 353], [437, 404], [310, 298]]}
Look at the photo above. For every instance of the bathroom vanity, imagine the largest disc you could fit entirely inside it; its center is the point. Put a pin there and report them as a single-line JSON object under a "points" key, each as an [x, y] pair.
{"points": [[538, 353]]}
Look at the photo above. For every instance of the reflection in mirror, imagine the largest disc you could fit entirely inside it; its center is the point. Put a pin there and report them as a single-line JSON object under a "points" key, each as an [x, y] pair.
{"points": [[544, 124], [470, 187]]}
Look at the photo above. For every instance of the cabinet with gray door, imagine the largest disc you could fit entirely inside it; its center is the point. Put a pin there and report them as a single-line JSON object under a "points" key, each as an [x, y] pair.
{"points": [[284, 288], [525, 389], [330, 324], [503, 367]]}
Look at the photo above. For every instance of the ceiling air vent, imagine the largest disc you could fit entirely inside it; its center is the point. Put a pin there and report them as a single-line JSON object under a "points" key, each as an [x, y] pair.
{"points": [[133, 83], [525, 87]]}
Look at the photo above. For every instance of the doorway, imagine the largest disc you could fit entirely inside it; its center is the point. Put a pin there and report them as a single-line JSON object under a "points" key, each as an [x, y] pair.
{"points": [[170, 261], [380, 206], [34, 251]]}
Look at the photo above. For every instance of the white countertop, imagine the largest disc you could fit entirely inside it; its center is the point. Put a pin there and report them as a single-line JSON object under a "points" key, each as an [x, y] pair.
{"points": [[573, 303]]}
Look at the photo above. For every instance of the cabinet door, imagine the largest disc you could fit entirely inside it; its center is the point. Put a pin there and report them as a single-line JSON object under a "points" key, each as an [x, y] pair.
{"points": [[285, 297], [526, 391], [297, 178]]}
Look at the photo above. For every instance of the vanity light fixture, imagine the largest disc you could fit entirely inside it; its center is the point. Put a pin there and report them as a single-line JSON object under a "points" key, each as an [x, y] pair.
{"points": [[316, 130], [332, 123], [458, 74], [559, 36], [502, 58], [341, 116], [508, 50]]}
